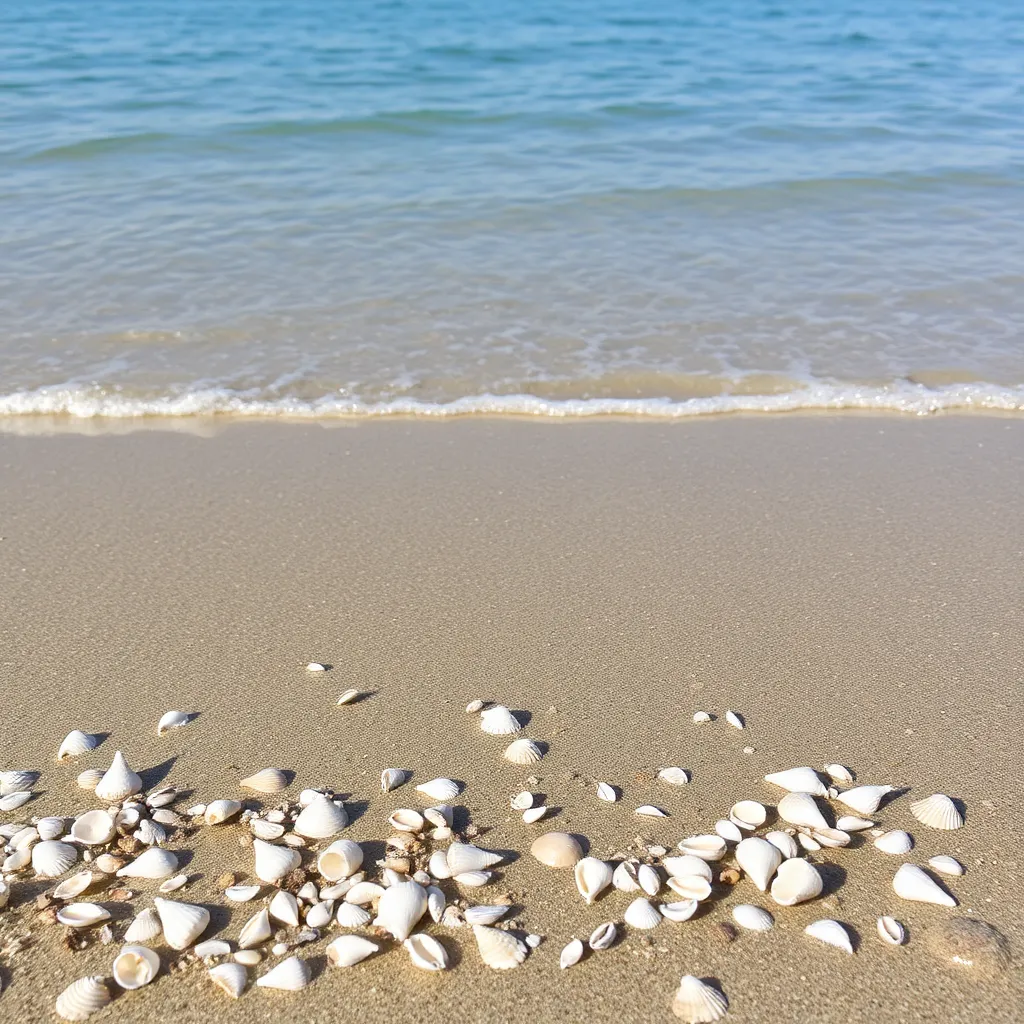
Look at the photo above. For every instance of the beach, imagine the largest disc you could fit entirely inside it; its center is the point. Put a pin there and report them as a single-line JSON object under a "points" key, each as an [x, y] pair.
{"points": [[850, 585]]}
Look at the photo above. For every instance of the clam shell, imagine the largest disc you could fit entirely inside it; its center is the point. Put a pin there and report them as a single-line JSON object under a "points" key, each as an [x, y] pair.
{"points": [[754, 919], [348, 697], [603, 936], [649, 879], [289, 975], [728, 830], [341, 859], [523, 751], [838, 773], [12, 782], [24, 838], [400, 908], [592, 876], [247, 957], [831, 837], [473, 878], [118, 781], [349, 950], [350, 915], [521, 801], [697, 1003], [701, 718], [556, 850], [674, 776], [830, 932], [498, 949], [135, 966], [316, 666], [266, 830], [172, 720], [74, 886], [426, 952], [710, 848], [284, 907], [690, 887], [241, 893], [937, 811], [267, 780], [90, 778], [83, 998], [438, 865], [155, 862], [680, 910], [735, 720], [911, 883], [463, 857], [440, 789], [796, 881], [499, 721], [784, 843], [800, 809], [864, 799], [486, 913], [946, 865], [108, 863], [256, 930], [798, 780], [229, 978], [211, 948], [82, 915], [891, 931], [174, 883], [851, 823], [182, 923], [748, 814], [50, 827], [534, 814], [391, 778], [321, 819], [606, 793], [273, 862], [679, 867], [896, 841], [94, 828], [50, 858], [145, 928], [407, 820], [220, 811], [12, 801], [641, 914], [571, 954], [76, 742], [649, 811]]}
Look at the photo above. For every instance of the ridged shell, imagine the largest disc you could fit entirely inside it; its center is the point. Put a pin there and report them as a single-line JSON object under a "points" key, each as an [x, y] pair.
{"points": [[268, 831], [76, 742], [90, 778], [118, 781], [798, 780], [144, 928], [273, 862], [946, 865], [498, 949], [800, 809], [754, 919], [896, 841], [349, 697], [679, 910], [400, 908], [267, 780], [83, 998], [12, 782], [391, 778], [284, 908], [256, 930], [94, 828], [641, 914], [735, 720], [350, 915], [440, 789], [321, 819], [172, 720], [14, 800], [830, 932], [349, 950], [674, 775], [463, 857], [499, 721], [182, 923], [523, 752], [82, 915], [556, 850], [748, 814], [890, 931], [50, 858], [291, 975], [606, 793], [219, 811], [796, 881], [473, 878], [709, 848], [592, 876], [571, 954], [864, 799], [937, 811], [341, 859], [135, 966], [697, 1003], [152, 863], [426, 952], [320, 914], [911, 883], [229, 978], [679, 867]]}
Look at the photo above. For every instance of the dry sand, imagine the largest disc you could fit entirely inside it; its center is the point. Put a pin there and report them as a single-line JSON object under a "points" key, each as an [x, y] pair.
{"points": [[852, 585]]}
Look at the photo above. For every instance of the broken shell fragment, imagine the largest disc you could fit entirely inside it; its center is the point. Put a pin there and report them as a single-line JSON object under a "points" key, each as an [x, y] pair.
{"points": [[256, 930], [606, 793], [734, 720], [681, 910], [701, 718], [838, 773]]}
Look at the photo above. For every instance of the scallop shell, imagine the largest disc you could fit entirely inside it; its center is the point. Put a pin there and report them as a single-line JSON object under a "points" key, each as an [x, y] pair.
{"points": [[701, 718], [709, 848], [796, 881], [499, 721], [674, 776], [838, 773], [734, 720], [321, 819], [267, 780], [830, 932], [800, 809], [946, 865], [229, 978], [592, 876], [182, 923], [350, 915], [13, 782], [94, 828], [256, 930], [896, 841], [748, 815], [426, 952], [522, 752], [349, 950], [891, 931], [118, 781], [498, 949], [82, 915], [556, 850], [74, 886], [463, 857], [152, 863], [754, 919], [82, 998], [680, 910], [728, 830], [391, 778], [90, 778], [911, 883], [937, 811], [798, 780], [641, 914], [679, 867], [241, 893], [407, 820], [697, 1003], [606, 793], [690, 887], [486, 913], [135, 966], [400, 908], [172, 720], [50, 858], [284, 907], [864, 799], [649, 811], [571, 954], [76, 742], [341, 859], [784, 843], [145, 928], [440, 789], [289, 975], [851, 823]]}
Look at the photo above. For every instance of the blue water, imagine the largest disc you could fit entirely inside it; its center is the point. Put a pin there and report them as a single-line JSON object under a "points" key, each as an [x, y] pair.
{"points": [[555, 208]]}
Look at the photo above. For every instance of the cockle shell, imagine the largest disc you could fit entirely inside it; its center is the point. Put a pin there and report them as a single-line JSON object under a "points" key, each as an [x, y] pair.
{"points": [[796, 881], [679, 867], [912, 883], [74, 886], [391, 778], [267, 780], [674, 775], [830, 932], [748, 814], [349, 950], [341, 859], [838, 773], [728, 830], [350, 915], [90, 778], [12, 782], [680, 910], [135, 966], [155, 862], [937, 811], [256, 930], [690, 887], [701, 718], [219, 811], [182, 923], [798, 780], [172, 720], [499, 721], [754, 919], [784, 843], [94, 828], [709, 848], [571, 954], [118, 781], [523, 752], [400, 908], [463, 857], [698, 1003], [145, 928], [241, 893], [426, 952], [946, 865], [734, 720], [50, 827], [641, 914], [556, 850], [321, 819], [50, 858], [289, 975], [440, 789], [82, 915], [864, 799], [592, 876], [498, 949], [606, 792], [83, 998], [896, 841], [404, 819], [891, 931], [284, 907], [851, 823], [76, 742], [229, 978]]}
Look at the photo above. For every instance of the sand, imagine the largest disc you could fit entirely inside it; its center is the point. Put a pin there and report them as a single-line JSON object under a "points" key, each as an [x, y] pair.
{"points": [[851, 585]]}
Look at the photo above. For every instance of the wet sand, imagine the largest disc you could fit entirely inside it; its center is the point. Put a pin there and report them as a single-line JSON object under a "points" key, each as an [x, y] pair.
{"points": [[851, 585]]}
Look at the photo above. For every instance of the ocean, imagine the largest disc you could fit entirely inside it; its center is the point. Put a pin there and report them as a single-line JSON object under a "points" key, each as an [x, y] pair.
{"points": [[567, 208]]}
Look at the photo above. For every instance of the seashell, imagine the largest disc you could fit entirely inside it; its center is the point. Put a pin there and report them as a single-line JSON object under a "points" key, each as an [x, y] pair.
{"points": [[603, 936], [830, 932], [698, 1003], [473, 879], [266, 830], [521, 801], [796, 881], [5, 893], [440, 789], [896, 841], [50, 827], [748, 814], [82, 998], [571, 954], [73, 886], [145, 928], [291, 839], [498, 949], [435, 903], [241, 893], [891, 931], [911, 883], [400, 908], [706, 847], [391, 778], [728, 830], [172, 720], [13, 801], [155, 862], [592, 876], [229, 978], [108, 863], [441, 815], [350, 915], [754, 919], [555, 849], [135, 966], [25, 838], [807, 842], [50, 859], [680, 867], [267, 780], [946, 865], [90, 778], [784, 843], [674, 776], [407, 820], [247, 957], [838, 773], [800, 809], [14, 782], [606, 793], [486, 913], [937, 811], [734, 720], [340, 860], [82, 915], [534, 814], [831, 837], [151, 833], [284, 907], [307, 796], [220, 811], [798, 780], [118, 781], [308, 893], [701, 718], [648, 878], [426, 952], [182, 923], [256, 930], [648, 811], [273, 862], [499, 721], [289, 975], [364, 892], [211, 948], [474, 706], [349, 950], [641, 914], [162, 797], [851, 823], [625, 876], [680, 910], [438, 865], [464, 857], [316, 666], [17, 861], [339, 889], [864, 799], [76, 742], [174, 883], [94, 828], [127, 818], [165, 816], [522, 752], [348, 697], [690, 887]]}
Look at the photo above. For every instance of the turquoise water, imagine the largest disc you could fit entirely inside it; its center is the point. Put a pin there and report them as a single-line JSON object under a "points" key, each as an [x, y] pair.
{"points": [[555, 208]]}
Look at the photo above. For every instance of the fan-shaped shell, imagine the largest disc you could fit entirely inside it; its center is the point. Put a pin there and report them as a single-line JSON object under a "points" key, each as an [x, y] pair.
{"points": [[463, 857], [864, 799], [426, 952], [674, 775], [50, 858], [273, 862], [266, 780], [118, 781], [400, 908], [135, 966], [229, 978], [697, 1003], [498, 949], [82, 998], [440, 789], [556, 850], [321, 819], [182, 923], [523, 751], [830, 932], [499, 721], [144, 928], [592, 876], [896, 841], [155, 862], [76, 742], [748, 814], [710, 848], [256, 930], [290, 975], [350, 915], [82, 915], [891, 931], [171, 720], [94, 828], [754, 919], [796, 881], [911, 883], [937, 811], [798, 780], [12, 782], [340, 860], [349, 950], [90, 778], [641, 914]]}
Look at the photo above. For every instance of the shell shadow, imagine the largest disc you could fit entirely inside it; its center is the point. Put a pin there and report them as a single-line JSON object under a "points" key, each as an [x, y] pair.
{"points": [[583, 841], [454, 951], [832, 877], [157, 773], [373, 850], [960, 806], [317, 965], [855, 939], [523, 717], [355, 809], [892, 795], [100, 738], [220, 917]]}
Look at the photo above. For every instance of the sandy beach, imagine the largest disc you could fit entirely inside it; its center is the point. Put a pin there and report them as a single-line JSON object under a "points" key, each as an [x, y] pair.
{"points": [[851, 585]]}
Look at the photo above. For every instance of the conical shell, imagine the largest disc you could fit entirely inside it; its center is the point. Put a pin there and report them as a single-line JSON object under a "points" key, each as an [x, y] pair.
{"points": [[255, 931], [319, 915], [391, 778], [76, 742], [289, 975], [697, 1003], [135, 966], [864, 799], [267, 780], [937, 811], [463, 857], [798, 780], [284, 907], [499, 721], [74, 886], [498, 949], [784, 843], [830, 932], [83, 998], [94, 828], [710, 848], [754, 919], [679, 910], [118, 781], [796, 881], [349, 950], [800, 809], [440, 789], [82, 915], [592, 876], [182, 923], [273, 862], [426, 952], [321, 819], [571, 954], [155, 862], [728, 830], [90, 778], [687, 865], [350, 915], [556, 850], [50, 859], [946, 865], [896, 841], [229, 978], [340, 860], [171, 720], [400, 908], [523, 752], [220, 811], [145, 928], [912, 883], [690, 887], [891, 931], [641, 914], [674, 775]]}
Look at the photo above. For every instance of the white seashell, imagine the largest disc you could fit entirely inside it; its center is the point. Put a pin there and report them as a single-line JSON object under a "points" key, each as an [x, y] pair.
{"points": [[17, 861], [571, 954], [649, 879], [135, 966], [50, 859], [473, 879], [851, 823], [400, 908], [435, 903], [728, 830], [734, 720], [648, 811], [831, 837], [937, 811], [229, 978], [316, 666], [438, 865], [73, 886], [946, 865], [896, 841], [754, 919], [14, 800], [697, 1003], [838, 773], [498, 949], [522, 752], [864, 799], [25, 838], [800, 809], [499, 721], [127, 818], [486, 913], [173, 884], [256, 930], [82, 998], [82, 915], [118, 781], [145, 928], [90, 778], [349, 696], [798, 780], [155, 862], [830, 932], [308, 893], [690, 887], [784, 843], [307, 796], [220, 811], [706, 847], [808, 842], [592, 876], [440, 789], [13, 782], [625, 876], [284, 907], [242, 893], [603, 936], [680, 910], [289, 975], [266, 830], [442, 814], [391, 778], [349, 950], [247, 957], [748, 814], [273, 862], [76, 742], [5, 893], [171, 720], [211, 948], [796, 881], [463, 857], [534, 814], [364, 892], [291, 839], [679, 867], [182, 923], [341, 859], [891, 931], [267, 780], [555, 849], [522, 801], [339, 889], [674, 776], [701, 718], [640, 914], [475, 706], [912, 883], [165, 816], [151, 833], [162, 797], [407, 820], [606, 793], [426, 952], [350, 915], [94, 828]]}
